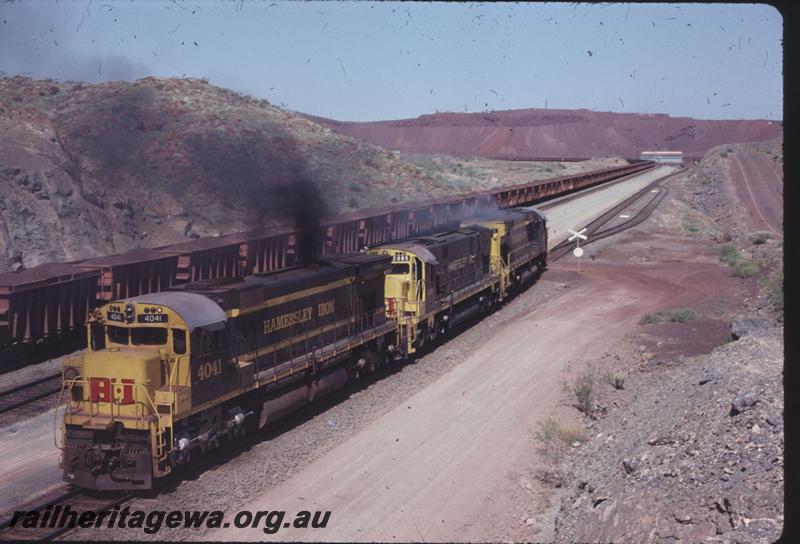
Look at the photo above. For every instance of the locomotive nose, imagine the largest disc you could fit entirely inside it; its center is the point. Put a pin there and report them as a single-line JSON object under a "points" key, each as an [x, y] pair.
{"points": [[114, 376]]}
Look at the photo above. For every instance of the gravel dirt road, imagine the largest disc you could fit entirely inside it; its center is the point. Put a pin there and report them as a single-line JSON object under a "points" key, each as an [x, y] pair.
{"points": [[443, 466], [760, 189], [29, 460]]}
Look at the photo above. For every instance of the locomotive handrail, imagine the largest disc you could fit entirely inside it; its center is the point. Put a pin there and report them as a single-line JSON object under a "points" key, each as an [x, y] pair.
{"points": [[137, 385], [173, 370], [55, 412]]}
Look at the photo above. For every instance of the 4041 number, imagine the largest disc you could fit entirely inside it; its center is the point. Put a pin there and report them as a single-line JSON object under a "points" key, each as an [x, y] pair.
{"points": [[209, 369]]}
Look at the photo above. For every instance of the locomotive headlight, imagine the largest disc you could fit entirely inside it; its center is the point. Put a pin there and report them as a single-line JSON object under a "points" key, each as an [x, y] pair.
{"points": [[70, 373], [159, 310], [183, 443], [130, 310]]}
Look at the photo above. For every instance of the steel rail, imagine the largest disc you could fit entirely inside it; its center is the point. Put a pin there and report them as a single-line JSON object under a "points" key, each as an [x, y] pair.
{"points": [[64, 497], [29, 392], [595, 228]]}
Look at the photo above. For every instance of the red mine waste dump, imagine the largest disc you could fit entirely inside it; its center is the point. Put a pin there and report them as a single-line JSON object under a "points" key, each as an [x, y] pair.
{"points": [[536, 133]]}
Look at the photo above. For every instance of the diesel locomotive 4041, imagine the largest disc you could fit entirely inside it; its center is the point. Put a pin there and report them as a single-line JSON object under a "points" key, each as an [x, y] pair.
{"points": [[170, 375]]}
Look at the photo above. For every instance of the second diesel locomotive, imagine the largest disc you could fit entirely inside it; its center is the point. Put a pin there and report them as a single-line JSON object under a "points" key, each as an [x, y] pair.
{"points": [[439, 280], [170, 375]]}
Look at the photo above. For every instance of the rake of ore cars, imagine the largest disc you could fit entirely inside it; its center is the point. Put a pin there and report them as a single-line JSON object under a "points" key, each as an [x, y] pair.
{"points": [[170, 375]]}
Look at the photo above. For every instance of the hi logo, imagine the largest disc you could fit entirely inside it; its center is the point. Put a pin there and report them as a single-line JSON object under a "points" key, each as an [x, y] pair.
{"points": [[107, 390]]}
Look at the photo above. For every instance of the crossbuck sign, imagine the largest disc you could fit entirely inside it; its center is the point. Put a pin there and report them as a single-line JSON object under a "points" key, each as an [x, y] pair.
{"points": [[577, 235]]}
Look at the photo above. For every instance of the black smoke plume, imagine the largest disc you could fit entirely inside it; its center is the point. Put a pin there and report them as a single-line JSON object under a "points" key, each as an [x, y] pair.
{"points": [[303, 202], [265, 177]]}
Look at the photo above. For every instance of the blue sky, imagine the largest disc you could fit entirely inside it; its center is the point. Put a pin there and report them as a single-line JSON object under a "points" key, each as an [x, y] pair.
{"points": [[372, 61]]}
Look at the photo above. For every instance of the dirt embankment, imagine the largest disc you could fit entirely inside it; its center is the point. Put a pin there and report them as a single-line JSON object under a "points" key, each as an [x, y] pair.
{"points": [[694, 450], [555, 133], [682, 437]]}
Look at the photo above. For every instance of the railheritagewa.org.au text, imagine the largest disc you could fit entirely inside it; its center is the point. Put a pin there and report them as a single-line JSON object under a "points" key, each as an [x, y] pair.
{"points": [[269, 521]]}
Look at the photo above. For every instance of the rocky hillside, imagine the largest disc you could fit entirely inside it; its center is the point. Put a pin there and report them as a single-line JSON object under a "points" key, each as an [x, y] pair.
{"points": [[694, 455], [555, 133], [95, 169]]}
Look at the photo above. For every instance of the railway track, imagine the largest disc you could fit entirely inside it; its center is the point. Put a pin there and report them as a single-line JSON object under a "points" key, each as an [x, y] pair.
{"points": [[28, 393], [79, 501], [652, 195], [546, 205]]}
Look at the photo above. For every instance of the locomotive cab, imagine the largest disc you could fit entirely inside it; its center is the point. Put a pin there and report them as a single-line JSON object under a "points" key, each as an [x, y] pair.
{"points": [[121, 393], [404, 285]]}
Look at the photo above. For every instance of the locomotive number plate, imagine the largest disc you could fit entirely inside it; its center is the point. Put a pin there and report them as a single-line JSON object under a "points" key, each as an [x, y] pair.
{"points": [[116, 316], [400, 258], [152, 318]]}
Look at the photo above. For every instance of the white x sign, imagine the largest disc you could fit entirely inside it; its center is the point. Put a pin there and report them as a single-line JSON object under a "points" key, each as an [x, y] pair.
{"points": [[578, 235]]}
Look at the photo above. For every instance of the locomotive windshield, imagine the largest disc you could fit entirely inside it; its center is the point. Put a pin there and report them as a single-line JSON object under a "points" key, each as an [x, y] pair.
{"points": [[138, 336], [400, 268], [148, 336], [118, 335]]}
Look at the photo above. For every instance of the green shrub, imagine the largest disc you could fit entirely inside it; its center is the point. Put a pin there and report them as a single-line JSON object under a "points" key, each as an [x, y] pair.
{"points": [[550, 448], [554, 440], [617, 381], [583, 388], [741, 266], [728, 254], [652, 319], [680, 315], [774, 287], [745, 269]]}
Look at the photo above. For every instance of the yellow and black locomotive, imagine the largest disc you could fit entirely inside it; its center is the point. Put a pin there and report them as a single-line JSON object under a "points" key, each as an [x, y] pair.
{"points": [[439, 280], [170, 375]]}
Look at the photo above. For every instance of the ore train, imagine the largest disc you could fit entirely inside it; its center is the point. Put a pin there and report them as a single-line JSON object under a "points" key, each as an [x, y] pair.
{"points": [[170, 375]]}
